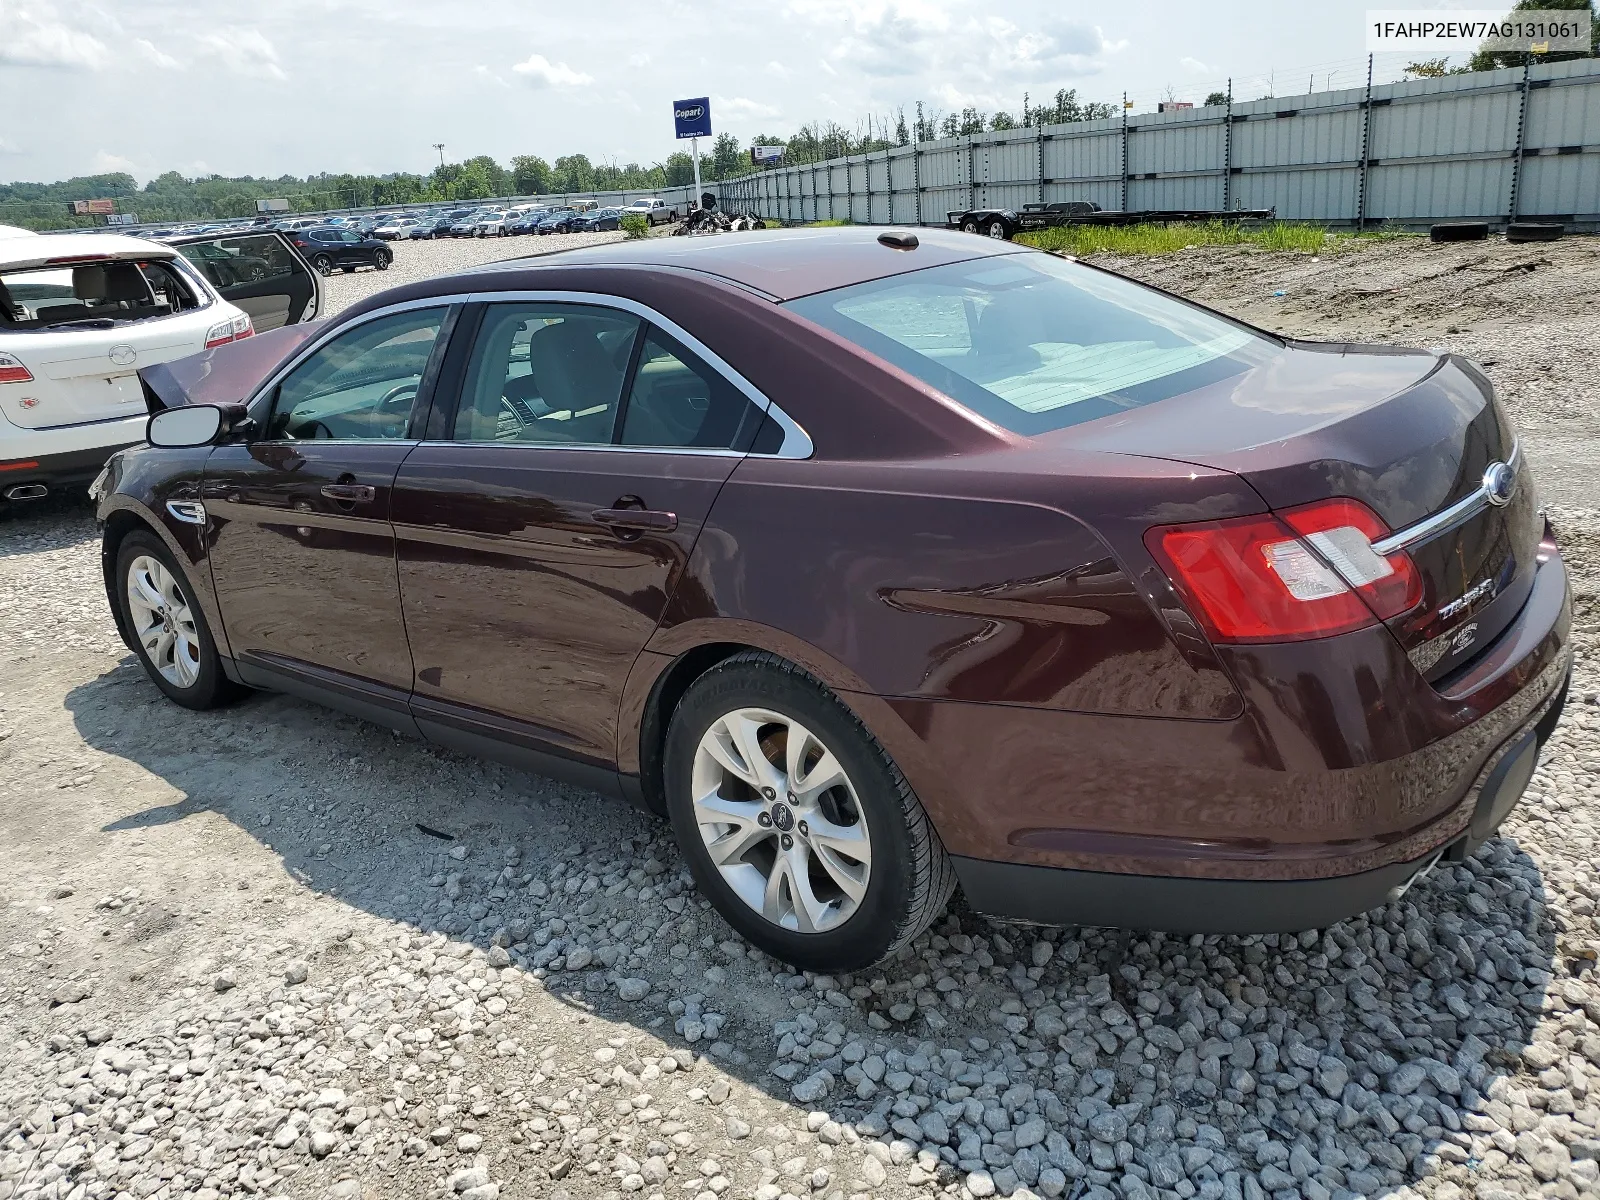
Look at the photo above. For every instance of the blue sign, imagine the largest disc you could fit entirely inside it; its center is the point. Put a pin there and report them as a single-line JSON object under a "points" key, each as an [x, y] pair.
{"points": [[692, 117]]}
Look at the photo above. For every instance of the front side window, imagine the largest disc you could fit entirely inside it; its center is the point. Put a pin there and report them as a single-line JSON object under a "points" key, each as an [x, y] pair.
{"points": [[1034, 342], [548, 374], [362, 384]]}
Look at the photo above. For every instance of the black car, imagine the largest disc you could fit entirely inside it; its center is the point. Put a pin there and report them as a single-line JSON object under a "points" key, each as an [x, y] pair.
{"points": [[331, 249], [439, 226], [600, 219], [558, 220]]}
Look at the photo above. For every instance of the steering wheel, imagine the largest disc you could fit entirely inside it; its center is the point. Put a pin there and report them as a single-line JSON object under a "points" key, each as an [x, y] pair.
{"points": [[312, 430], [408, 390]]}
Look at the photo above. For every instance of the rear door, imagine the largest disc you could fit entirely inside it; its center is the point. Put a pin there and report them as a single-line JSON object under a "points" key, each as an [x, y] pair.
{"points": [[542, 534], [260, 272]]}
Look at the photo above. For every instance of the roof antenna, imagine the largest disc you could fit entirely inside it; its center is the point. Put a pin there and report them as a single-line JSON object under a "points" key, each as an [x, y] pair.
{"points": [[899, 241]]}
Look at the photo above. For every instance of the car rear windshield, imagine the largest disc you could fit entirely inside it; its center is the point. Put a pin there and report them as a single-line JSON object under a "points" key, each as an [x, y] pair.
{"points": [[92, 294], [1033, 342]]}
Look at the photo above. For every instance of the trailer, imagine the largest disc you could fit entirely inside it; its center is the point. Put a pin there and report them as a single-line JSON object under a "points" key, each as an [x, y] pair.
{"points": [[1007, 223]]}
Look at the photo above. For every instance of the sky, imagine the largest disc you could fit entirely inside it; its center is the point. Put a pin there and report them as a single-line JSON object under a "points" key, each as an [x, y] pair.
{"points": [[296, 86]]}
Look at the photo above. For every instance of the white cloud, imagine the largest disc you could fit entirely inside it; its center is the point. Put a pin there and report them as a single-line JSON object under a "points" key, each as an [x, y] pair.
{"points": [[483, 72], [540, 72], [243, 51], [105, 163], [154, 54], [740, 106], [7, 146], [639, 60], [27, 40], [1195, 65]]}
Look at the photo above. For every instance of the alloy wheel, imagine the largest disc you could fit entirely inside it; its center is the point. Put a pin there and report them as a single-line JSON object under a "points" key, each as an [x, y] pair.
{"points": [[781, 820], [163, 622], [997, 230]]}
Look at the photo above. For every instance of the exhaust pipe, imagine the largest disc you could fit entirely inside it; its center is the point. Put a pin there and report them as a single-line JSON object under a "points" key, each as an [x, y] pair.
{"points": [[27, 491]]}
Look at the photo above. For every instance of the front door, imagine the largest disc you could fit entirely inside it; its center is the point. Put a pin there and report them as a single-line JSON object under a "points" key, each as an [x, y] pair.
{"points": [[539, 544], [302, 551]]}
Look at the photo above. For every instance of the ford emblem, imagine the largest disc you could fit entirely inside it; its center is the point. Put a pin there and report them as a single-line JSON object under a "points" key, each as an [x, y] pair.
{"points": [[121, 355], [1499, 483]]}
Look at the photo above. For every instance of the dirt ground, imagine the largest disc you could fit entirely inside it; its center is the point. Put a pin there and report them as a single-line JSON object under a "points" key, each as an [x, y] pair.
{"points": [[272, 951]]}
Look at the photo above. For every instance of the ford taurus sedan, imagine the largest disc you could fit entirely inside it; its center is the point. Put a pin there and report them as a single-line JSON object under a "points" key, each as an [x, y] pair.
{"points": [[879, 564]]}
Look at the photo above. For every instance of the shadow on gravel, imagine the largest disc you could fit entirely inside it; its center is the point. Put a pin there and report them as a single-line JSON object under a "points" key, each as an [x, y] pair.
{"points": [[1358, 1059]]}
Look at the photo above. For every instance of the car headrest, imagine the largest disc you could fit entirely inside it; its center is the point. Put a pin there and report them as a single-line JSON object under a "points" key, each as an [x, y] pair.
{"points": [[111, 283], [89, 283], [124, 281]]}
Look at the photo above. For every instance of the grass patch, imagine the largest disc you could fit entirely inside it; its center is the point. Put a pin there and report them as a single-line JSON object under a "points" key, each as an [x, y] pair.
{"points": [[1167, 239], [823, 224]]}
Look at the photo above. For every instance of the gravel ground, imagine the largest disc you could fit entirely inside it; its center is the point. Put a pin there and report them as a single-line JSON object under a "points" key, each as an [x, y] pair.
{"points": [[422, 260], [277, 952]]}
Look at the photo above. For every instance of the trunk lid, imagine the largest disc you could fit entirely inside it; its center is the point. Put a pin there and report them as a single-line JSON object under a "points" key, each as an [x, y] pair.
{"points": [[1409, 433]]}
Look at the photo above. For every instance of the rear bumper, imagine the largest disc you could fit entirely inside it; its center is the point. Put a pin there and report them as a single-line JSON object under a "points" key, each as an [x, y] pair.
{"points": [[63, 457], [1346, 774], [1174, 904]]}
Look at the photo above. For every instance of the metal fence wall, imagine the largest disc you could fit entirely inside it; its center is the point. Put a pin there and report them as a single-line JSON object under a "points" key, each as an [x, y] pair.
{"points": [[1490, 145]]}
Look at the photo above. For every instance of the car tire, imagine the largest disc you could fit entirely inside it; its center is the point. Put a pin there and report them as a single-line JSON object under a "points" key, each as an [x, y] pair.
{"points": [[382, 259], [870, 888], [997, 229], [323, 264], [176, 650], [969, 226]]}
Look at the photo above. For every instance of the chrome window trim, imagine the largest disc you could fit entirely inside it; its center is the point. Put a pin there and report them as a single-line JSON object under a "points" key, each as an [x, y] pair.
{"points": [[796, 442], [328, 335], [1445, 519]]}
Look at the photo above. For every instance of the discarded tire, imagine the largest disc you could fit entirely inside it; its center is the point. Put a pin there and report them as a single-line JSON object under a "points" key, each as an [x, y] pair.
{"points": [[1533, 231], [1459, 231]]}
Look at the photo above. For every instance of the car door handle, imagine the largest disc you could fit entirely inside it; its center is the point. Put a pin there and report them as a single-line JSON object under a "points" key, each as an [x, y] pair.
{"points": [[653, 520], [350, 493]]}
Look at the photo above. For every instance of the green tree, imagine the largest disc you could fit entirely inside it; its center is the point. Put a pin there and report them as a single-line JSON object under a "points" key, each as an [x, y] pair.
{"points": [[573, 173], [1488, 60], [1215, 99], [530, 175], [1002, 120], [728, 158], [678, 169]]}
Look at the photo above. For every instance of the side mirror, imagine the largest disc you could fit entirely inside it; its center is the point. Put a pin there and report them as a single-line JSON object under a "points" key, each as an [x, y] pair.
{"points": [[190, 425]]}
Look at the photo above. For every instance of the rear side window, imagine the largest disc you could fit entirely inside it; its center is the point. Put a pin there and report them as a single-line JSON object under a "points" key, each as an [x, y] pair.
{"points": [[1033, 342], [546, 374], [678, 401]]}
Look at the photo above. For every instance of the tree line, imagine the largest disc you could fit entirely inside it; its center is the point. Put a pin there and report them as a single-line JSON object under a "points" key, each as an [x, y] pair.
{"points": [[175, 197], [172, 197]]}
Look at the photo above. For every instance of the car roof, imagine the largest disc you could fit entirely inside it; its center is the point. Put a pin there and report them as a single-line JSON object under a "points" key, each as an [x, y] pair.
{"points": [[70, 249], [783, 263]]}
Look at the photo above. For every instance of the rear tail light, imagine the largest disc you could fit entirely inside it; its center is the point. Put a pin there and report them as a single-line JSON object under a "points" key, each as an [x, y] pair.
{"points": [[220, 334], [242, 327], [12, 370], [1307, 572]]}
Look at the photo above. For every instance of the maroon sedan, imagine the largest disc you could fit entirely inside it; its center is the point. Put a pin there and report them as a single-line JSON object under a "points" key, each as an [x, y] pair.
{"points": [[878, 566]]}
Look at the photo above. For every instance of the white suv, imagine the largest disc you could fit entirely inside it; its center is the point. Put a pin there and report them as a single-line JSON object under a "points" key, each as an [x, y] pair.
{"points": [[80, 314]]}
